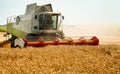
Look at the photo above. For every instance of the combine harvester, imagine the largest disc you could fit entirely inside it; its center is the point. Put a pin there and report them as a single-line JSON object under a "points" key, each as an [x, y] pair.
{"points": [[40, 26]]}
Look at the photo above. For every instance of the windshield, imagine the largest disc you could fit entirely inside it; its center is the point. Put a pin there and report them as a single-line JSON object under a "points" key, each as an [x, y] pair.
{"points": [[48, 22]]}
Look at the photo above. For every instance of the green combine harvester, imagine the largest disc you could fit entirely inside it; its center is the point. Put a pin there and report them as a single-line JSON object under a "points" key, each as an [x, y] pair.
{"points": [[40, 26]]}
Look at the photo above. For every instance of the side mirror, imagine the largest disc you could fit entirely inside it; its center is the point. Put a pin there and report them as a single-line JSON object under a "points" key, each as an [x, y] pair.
{"points": [[63, 17]]}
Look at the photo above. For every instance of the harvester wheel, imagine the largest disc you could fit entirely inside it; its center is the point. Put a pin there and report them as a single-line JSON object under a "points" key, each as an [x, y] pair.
{"points": [[12, 41], [12, 44], [69, 40], [96, 40], [82, 38]]}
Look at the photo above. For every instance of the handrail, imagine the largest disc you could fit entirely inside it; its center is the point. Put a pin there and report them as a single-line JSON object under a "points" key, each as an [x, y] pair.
{"points": [[11, 19]]}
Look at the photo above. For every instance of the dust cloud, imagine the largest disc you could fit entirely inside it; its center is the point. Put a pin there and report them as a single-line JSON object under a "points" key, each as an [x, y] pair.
{"points": [[106, 34]]}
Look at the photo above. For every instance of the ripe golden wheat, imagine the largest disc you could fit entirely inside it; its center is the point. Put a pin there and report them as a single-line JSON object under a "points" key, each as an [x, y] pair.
{"points": [[103, 59]]}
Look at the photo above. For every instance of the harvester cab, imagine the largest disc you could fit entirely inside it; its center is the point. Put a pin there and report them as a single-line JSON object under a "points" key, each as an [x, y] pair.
{"points": [[40, 26]]}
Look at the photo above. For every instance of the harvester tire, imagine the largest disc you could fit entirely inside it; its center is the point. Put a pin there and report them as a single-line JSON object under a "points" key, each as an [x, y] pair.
{"points": [[12, 41]]}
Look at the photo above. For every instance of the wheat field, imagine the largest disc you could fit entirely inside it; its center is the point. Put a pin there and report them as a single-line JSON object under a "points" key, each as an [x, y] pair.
{"points": [[103, 59]]}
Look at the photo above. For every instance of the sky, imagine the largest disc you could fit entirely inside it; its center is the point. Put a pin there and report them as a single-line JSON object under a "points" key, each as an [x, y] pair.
{"points": [[76, 12]]}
